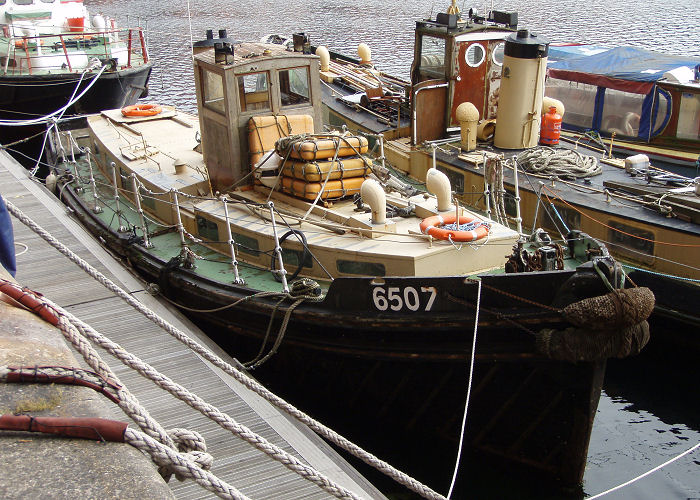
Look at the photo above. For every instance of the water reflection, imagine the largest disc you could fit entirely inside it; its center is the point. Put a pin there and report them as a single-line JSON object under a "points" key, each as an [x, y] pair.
{"points": [[665, 25]]}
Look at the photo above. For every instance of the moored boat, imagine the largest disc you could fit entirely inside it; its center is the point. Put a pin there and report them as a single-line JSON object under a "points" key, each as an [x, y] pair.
{"points": [[57, 60], [313, 259], [647, 216]]}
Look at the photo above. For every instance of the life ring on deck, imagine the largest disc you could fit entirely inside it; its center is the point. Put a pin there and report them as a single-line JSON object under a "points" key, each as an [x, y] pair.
{"points": [[432, 226], [141, 110]]}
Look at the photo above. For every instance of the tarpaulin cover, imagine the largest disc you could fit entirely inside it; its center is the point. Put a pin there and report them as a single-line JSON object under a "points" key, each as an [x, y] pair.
{"points": [[7, 240], [613, 67]]}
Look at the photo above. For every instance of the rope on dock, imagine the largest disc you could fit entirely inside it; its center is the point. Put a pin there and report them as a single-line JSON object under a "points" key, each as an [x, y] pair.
{"points": [[322, 430]]}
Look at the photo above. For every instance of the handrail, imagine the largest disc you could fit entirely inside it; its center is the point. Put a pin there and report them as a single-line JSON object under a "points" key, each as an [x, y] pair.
{"points": [[50, 45]]}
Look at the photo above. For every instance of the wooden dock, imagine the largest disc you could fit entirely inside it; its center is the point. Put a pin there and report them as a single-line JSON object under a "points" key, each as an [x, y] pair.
{"points": [[43, 269]]}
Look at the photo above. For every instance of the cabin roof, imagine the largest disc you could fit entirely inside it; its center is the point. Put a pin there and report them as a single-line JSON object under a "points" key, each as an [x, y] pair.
{"points": [[246, 52]]}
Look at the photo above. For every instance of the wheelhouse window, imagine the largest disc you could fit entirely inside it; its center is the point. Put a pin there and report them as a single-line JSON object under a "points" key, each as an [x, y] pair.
{"points": [[254, 91], [498, 53], [23, 2], [475, 55], [689, 117], [213, 91], [432, 56], [294, 86]]}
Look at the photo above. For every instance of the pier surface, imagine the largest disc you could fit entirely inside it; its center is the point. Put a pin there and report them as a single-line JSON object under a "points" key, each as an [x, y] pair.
{"points": [[42, 268]]}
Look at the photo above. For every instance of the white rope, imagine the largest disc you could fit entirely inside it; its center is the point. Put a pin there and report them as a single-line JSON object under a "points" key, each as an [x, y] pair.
{"points": [[620, 486], [560, 162], [162, 455], [35, 121], [469, 391], [248, 382]]}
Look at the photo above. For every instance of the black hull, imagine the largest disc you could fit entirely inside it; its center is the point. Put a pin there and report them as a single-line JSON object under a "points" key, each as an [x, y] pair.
{"points": [[25, 97], [407, 373]]}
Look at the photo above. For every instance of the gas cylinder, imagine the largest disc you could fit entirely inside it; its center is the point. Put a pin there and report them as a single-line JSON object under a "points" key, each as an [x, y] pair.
{"points": [[551, 127]]}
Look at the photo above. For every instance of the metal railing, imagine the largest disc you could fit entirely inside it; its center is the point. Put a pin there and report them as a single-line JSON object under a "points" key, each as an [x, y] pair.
{"points": [[29, 54]]}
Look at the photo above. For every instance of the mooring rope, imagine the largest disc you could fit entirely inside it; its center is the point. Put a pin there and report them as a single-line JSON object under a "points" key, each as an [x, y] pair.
{"points": [[469, 392], [322, 430]]}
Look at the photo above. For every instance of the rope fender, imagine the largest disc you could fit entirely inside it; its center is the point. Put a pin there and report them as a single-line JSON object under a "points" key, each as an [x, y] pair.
{"points": [[615, 310], [579, 344]]}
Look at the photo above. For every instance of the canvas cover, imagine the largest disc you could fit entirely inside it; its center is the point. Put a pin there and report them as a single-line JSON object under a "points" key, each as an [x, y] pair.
{"points": [[629, 69]]}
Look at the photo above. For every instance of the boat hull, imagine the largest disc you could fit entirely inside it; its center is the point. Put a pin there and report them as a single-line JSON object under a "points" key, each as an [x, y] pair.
{"points": [[407, 371], [26, 97]]}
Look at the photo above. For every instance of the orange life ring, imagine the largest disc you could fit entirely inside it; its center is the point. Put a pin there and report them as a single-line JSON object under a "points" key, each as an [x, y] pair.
{"points": [[141, 110], [432, 226]]}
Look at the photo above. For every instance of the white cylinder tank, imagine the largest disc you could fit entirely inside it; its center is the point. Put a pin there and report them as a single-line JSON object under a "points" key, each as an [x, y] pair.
{"points": [[518, 117]]}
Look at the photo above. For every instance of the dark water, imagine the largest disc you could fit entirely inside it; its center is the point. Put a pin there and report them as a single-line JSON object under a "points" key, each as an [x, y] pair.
{"points": [[650, 411]]}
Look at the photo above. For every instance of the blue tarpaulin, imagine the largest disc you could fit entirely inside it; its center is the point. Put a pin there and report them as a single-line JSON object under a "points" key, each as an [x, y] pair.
{"points": [[623, 68], [7, 240]]}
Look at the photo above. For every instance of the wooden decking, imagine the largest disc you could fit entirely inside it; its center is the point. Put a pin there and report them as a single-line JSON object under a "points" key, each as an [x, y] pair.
{"points": [[44, 269]]}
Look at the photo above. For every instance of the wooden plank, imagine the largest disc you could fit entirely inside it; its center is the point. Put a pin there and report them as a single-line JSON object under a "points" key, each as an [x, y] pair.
{"points": [[236, 461]]}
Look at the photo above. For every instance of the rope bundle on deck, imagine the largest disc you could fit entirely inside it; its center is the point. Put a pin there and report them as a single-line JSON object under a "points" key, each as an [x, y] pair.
{"points": [[558, 162]]}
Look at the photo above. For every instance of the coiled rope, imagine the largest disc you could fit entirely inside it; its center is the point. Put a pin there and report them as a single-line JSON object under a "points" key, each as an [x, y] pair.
{"points": [[559, 162], [241, 377]]}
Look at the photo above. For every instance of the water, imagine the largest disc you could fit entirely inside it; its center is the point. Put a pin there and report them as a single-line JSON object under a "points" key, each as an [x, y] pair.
{"points": [[650, 410]]}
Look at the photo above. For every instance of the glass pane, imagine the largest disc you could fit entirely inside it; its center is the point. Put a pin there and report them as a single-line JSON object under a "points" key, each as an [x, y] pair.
{"points": [[254, 91], [475, 54], [213, 91], [246, 244], [294, 86], [207, 229], [578, 99], [499, 53], [361, 268], [432, 59], [621, 112], [689, 117]]}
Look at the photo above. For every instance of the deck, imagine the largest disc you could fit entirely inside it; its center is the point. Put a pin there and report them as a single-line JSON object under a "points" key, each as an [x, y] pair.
{"points": [[44, 269]]}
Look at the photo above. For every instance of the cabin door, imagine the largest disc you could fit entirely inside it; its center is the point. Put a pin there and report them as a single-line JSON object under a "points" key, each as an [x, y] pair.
{"points": [[428, 108], [478, 80]]}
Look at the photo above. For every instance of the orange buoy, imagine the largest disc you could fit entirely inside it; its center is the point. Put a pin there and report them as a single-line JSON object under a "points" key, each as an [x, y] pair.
{"points": [[433, 226], [141, 110], [551, 127]]}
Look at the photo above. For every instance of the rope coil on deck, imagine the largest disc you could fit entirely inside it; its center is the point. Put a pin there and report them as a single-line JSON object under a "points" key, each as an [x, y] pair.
{"points": [[559, 162]]}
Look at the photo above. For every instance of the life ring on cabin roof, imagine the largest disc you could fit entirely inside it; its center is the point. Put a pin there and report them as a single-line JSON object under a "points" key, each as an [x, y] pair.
{"points": [[433, 227], [141, 110]]}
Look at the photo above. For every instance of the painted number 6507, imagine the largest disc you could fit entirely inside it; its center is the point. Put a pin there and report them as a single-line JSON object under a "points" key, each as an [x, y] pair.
{"points": [[397, 298]]}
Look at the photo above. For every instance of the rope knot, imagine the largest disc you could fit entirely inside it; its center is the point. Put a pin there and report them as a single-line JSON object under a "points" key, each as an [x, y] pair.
{"points": [[192, 445]]}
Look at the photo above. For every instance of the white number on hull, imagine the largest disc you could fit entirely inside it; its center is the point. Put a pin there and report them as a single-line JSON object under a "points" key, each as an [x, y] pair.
{"points": [[395, 299]]}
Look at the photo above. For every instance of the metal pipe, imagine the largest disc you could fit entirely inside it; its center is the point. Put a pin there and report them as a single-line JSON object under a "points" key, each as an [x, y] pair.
{"points": [[121, 229], [137, 199], [96, 209], [278, 249], [415, 113], [381, 149], [234, 263], [180, 227], [516, 184]]}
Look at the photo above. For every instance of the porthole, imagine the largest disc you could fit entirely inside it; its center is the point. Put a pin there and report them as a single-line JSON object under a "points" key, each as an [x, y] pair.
{"points": [[475, 55], [498, 53]]}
